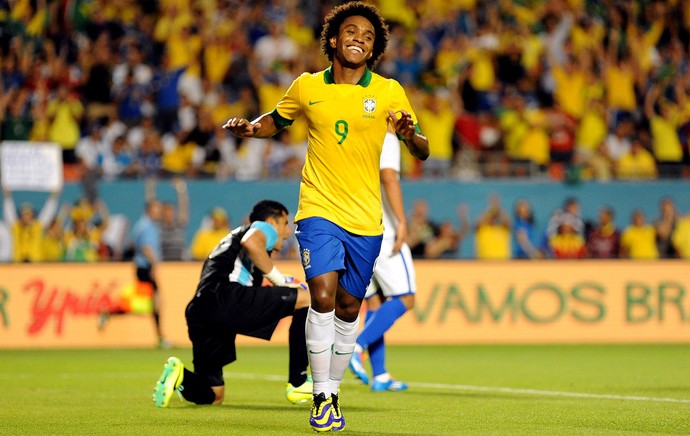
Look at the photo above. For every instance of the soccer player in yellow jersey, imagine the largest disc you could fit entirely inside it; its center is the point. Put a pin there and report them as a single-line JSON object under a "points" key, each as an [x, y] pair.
{"points": [[339, 219]]}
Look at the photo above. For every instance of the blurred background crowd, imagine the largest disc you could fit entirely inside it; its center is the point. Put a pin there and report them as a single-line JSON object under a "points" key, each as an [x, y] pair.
{"points": [[84, 231], [566, 90]]}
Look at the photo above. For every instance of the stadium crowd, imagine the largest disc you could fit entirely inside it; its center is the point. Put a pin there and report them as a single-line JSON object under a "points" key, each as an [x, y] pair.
{"points": [[567, 89], [85, 232], [571, 88], [502, 235]]}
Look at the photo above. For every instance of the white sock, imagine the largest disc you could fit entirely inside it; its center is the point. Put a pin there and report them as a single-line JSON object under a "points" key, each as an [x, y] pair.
{"points": [[320, 337], [383, 378], [343, 347]]}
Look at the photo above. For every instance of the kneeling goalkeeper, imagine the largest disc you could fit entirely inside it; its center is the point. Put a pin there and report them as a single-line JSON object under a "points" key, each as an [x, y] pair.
{"points": [[230, 300]]}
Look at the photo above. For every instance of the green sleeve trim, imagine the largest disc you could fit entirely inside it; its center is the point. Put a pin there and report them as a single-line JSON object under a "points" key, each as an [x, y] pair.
{"points": [[280, 121], [416, 129]]}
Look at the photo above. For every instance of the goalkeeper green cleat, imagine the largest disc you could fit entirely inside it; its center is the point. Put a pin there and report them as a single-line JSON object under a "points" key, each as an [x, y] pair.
{"points": [[300, 394], [169, 381]]}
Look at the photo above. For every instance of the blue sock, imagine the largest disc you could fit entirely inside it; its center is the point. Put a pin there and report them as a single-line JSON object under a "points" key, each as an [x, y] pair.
{"points": [[377, 355], [382, 320]]}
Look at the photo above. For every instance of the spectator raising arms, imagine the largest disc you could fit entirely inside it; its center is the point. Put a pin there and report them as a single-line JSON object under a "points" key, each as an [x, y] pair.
{"points": [[560, 75], [492, 232], [27, 228], [173, 222]]}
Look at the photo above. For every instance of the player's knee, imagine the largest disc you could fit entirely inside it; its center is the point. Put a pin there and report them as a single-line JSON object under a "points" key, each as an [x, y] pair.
{"points": [[322, 289], [322, 300], [346, 306], [347, 312], [347, 315], [408, 301]]}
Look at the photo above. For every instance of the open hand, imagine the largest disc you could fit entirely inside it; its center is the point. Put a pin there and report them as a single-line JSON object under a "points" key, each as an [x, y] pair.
{"points": [[404, 126], [242, 127]]}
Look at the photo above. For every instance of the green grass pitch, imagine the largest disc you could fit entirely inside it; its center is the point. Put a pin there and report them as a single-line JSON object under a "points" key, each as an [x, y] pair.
{"points": [[497, 389]]}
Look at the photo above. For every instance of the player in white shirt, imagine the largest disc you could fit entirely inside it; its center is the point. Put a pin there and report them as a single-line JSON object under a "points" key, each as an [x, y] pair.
{"points": [[391, 291]]}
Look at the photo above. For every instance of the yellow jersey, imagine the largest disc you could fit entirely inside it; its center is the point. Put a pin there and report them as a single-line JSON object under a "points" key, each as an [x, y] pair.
{"points": [[27, 241], [681, 237], [640, 242], [493, 242], [346, 127]]}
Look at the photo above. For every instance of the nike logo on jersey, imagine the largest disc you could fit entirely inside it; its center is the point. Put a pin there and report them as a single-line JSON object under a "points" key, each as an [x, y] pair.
{"points": [[315, 102]]}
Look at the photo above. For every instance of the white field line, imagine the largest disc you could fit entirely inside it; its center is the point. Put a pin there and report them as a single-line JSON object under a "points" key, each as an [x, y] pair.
{"points": [[439, 386], [495, 389]]}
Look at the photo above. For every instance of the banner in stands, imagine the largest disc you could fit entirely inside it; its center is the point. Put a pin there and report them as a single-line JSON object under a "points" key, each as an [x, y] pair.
{"points": [[458, 302], [31, 166]]}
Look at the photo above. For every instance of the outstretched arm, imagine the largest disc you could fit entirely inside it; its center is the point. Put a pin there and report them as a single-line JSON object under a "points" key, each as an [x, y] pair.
{"points": [[49, 209], [416, 143], [150, 189], [262, 127], [9, 210], [182, 200]]}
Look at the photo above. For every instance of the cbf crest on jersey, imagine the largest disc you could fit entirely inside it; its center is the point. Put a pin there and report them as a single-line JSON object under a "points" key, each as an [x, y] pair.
{"points": [[306, 258], [369, 105]]}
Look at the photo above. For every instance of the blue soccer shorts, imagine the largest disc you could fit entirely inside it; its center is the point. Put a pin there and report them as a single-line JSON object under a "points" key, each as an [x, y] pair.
{"points": [[325, 247]]}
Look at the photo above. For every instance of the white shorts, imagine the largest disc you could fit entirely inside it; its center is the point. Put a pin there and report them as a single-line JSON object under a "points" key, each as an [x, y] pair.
{"points": [[393, 273]]}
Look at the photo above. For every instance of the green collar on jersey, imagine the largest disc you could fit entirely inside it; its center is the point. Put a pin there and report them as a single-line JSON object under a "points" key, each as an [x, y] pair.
{"points": [[364, 81]]}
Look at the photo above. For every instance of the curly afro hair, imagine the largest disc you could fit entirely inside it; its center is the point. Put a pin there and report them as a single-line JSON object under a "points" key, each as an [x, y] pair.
{"points": [[335, 18]]}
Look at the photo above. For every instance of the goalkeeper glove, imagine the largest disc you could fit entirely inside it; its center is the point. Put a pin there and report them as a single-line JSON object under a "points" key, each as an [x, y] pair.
{"points": [[278, 279]]}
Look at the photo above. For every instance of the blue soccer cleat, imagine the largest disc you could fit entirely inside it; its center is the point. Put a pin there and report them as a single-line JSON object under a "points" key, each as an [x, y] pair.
{"points": [[357, 368], [390, 385]]}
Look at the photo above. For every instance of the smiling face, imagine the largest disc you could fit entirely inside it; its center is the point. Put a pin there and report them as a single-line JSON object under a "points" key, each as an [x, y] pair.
{"points": [[355, 42]]}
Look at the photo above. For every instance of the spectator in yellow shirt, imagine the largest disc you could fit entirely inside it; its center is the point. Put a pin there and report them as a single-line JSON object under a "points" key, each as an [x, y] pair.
{"points": [[619, 82], [492, 234], [53, 242], [438, 118], [28, 228], [681, 237], [525, 135], [570, 86], [638, 163], [664, 125], [590, 136], [638, 240], [65, 114], [208, 235]]}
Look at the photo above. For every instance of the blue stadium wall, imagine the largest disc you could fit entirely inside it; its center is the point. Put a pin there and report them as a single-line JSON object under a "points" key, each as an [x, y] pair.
{"points": [[127, 197]]}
